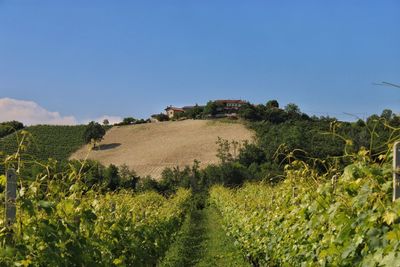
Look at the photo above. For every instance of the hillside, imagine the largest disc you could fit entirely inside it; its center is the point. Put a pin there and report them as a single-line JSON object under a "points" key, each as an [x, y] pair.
{"points": [[149, 148], [48, 141]]}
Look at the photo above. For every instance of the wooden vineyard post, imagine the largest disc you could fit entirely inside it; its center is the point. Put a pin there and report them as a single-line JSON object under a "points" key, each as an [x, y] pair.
{"points": [[396, 171], [11, 195]]}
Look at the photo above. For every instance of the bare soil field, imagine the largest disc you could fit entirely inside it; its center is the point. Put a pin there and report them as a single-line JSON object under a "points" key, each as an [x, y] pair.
{"points": [[149, 148]]}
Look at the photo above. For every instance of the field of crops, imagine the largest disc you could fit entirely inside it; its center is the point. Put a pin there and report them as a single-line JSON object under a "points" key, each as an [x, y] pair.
{"points": [[309, 221], [60, 223], [47, 141]]}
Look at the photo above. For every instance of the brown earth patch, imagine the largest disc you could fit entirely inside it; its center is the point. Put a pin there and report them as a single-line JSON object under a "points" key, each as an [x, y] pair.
{"points": [[149, 148]]}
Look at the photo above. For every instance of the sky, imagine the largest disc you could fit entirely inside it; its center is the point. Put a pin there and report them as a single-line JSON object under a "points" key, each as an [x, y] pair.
{"points": [[72, 61]]}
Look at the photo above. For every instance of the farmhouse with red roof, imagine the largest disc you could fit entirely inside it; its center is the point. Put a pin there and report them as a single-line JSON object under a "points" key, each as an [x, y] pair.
{"points": [[172, 111]]}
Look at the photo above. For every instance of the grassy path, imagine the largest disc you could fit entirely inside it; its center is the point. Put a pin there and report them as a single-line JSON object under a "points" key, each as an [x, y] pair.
{"points": [[203, 242]]}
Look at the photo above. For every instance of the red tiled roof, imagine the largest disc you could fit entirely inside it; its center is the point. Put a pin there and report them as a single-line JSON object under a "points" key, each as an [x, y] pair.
{"points": [[174, 109], [231, 101]]}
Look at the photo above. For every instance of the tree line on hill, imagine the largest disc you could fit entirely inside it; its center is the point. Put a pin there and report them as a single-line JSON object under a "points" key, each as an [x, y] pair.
{"points": [[282, 136]]}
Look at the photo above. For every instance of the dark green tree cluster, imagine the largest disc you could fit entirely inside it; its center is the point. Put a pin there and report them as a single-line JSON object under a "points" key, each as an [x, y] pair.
{"points": [[272, 113], [314, 140], [131, 121], [160, 117], [10, 127], [109, 178]]}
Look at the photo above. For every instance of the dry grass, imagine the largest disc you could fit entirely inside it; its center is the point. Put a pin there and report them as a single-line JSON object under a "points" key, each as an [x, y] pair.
{"points": [[149, 148]]}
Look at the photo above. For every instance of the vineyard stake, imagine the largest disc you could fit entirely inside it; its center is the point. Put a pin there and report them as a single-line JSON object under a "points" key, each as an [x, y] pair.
{"points": [[396, 169], [11, 195]]}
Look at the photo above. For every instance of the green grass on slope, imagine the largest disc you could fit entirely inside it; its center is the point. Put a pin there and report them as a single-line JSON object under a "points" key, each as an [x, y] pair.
{"points": [[219, 249], [203, 242], [48, 141]]}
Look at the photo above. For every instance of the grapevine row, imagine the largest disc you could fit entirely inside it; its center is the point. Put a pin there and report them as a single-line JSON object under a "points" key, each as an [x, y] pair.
{"points": [[308, 220], [93, 229]]}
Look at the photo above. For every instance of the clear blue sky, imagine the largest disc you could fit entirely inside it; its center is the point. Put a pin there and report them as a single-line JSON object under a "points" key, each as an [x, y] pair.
{"points": [[89, 58]]}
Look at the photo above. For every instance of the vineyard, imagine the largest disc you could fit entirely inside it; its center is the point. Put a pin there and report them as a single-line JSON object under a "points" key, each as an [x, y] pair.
{"points": [[60, 222], [80, 213], [47, 141], [309, 220]]}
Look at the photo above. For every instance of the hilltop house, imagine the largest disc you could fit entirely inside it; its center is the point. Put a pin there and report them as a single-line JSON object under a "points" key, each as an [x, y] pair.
{"points": [[225, 108], [229, 106], [172, 111]]}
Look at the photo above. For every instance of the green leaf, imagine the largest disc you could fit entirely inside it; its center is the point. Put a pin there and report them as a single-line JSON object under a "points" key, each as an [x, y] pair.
{"points": [[389, 217], [391, 260]]}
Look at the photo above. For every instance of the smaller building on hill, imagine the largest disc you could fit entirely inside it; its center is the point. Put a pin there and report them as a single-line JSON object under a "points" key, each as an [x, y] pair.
{"points": [[172, 111]]}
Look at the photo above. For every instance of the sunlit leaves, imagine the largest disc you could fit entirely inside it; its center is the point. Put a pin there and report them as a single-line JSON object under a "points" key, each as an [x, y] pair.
{"points": [[61, 227], [304, 222]]}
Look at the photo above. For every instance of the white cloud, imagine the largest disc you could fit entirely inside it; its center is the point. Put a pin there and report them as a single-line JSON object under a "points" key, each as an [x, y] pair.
{"points": [[29, 113]]}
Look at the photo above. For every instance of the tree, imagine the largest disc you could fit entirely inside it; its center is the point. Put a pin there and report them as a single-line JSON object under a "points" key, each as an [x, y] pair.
{"points": [[292, 108], [147, 184], [275, 115], [160, 117], [113, 180], [387, 114], [212, 108], [272, 104], [106, 122], [128, 121], [128, 177], [194, 113], [94, 133], [248, 112]]}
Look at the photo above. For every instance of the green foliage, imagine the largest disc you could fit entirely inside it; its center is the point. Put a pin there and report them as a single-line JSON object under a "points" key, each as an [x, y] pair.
{"points": [[9, 127], [128, 121], [128, 178], [249, 112], [387, 114], [103, 178], [228, 151], [172, 179], [3, 182], [196, 112], [94, 132], [112, 178], [310, 220], [131, 121], [212, 108], [147, 184], [272, 113], [250, 153], [63, 222], [292, 108], [272, 104], [318, 142], [160, 117]]}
